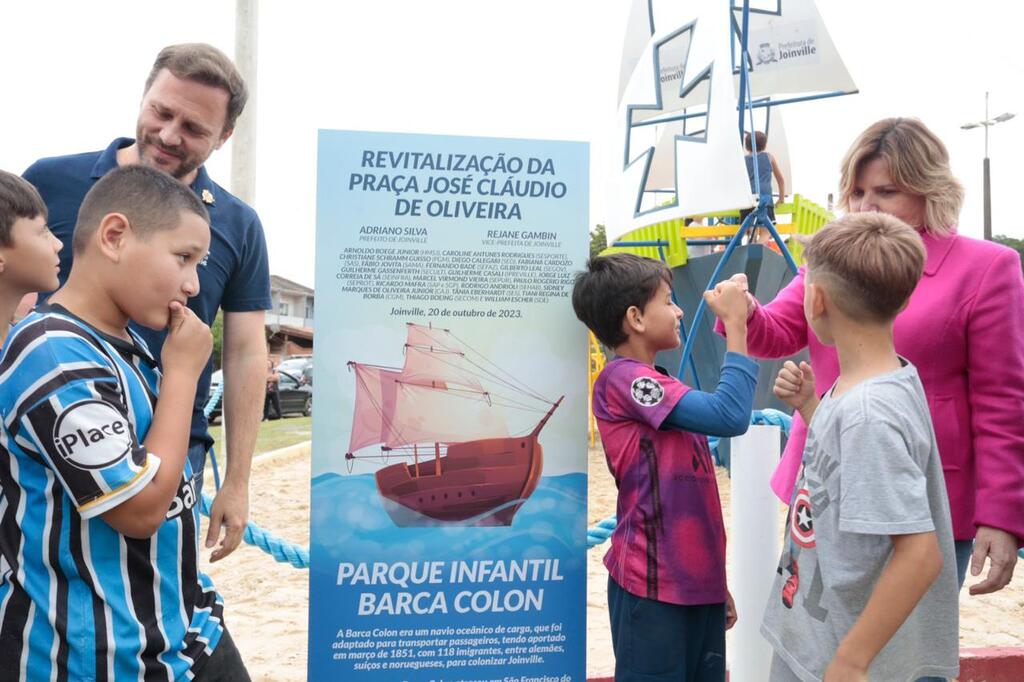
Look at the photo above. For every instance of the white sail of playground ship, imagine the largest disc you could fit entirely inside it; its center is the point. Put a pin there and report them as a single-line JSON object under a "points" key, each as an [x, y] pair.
{"points": [[459, 461], [674, 56]]}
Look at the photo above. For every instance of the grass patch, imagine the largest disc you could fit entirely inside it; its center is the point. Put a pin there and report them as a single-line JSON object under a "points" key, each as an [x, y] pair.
{"points": [[278, 433]]}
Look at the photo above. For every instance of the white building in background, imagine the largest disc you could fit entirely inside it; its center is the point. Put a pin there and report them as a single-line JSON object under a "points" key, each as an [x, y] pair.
{"points": [[290, 322]]}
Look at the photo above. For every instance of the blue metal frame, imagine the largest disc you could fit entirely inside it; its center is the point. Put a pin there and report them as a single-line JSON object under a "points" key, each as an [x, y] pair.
{"points": [[658, 105], [759, 104], [759, 214], [706, 74], [744, 68], [685, 86], [661, 244], [733, 8], [804, 98]]}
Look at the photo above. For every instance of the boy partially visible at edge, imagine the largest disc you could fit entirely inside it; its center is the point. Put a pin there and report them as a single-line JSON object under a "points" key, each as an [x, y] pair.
{"points": [[99, 533], [28, 250], [667, 595], [867, 582]]}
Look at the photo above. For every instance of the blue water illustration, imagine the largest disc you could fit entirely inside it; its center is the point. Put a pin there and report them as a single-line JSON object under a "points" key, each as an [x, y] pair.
{"points": [[351, 527]]}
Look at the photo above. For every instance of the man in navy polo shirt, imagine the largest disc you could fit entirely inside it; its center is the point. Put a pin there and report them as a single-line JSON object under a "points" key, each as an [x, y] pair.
{"points": [[192, 98]]}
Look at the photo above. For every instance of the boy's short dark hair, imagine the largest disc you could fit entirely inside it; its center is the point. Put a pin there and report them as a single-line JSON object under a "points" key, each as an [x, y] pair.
{"points": [[609, 286], [760, 139], [207, 65], [151, 200], [868, 262], [18, 199]]}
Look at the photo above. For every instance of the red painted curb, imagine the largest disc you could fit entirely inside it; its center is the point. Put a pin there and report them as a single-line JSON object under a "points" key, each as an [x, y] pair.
{"points": [[987, 664], [992, 664]]}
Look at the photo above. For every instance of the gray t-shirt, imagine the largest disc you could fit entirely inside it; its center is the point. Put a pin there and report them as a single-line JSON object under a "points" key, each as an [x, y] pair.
{"points": [[871, 470]]}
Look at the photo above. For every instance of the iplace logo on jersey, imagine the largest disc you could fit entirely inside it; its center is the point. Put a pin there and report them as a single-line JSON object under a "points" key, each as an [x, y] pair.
{"points": [[91, 434]]}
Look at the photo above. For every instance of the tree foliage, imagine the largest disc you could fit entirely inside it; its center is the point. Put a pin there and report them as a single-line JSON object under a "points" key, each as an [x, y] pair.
{"points": [[218, 338], [1015, 244], [598, 240]]}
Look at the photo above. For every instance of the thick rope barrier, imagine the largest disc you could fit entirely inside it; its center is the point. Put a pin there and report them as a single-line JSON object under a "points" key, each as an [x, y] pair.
{"points": [[283, 551], [770, 417], [599, 534], [596, 535]]}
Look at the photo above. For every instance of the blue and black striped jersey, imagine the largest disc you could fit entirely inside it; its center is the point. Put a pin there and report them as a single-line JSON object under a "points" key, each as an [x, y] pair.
{"points": [[78, 600]]}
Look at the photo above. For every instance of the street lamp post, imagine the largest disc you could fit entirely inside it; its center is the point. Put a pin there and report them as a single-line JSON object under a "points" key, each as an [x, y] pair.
{"points": [[987, 186]]}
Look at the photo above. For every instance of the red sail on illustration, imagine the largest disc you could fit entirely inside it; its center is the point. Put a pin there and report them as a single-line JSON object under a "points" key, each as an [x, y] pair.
{"points": [[435, 411]]}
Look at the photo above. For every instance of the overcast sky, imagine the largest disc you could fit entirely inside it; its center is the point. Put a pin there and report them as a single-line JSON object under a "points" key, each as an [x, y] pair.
{"points": [[72, 76]]}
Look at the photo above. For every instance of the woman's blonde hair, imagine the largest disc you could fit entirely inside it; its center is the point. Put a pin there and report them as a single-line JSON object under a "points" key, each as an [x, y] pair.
{"points": [[918, 163]]}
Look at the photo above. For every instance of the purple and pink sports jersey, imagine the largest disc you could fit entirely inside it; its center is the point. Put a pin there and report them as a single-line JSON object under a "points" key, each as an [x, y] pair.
{"points": [[669, 543]]}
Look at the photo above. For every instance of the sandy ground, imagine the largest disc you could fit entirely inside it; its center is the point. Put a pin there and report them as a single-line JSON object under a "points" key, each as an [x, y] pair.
{"points": [[266, 602]]}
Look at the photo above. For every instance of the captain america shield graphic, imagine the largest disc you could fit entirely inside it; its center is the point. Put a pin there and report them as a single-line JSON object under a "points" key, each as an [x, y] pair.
{"points": [[801, 526]]}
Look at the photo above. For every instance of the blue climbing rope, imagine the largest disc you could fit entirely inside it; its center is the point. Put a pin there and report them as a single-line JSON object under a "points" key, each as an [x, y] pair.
{"points": [[770, 417], [283, 551], [218, 393], [599, 533]]}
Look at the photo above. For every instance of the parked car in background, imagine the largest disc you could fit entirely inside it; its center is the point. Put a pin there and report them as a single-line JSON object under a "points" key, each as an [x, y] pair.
{"points": [[295, 390], [215, 381], [300, 366], [296, 397]]}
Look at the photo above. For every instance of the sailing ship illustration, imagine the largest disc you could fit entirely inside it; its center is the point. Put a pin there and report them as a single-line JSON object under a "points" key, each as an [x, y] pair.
{"points": [[437, 411]]}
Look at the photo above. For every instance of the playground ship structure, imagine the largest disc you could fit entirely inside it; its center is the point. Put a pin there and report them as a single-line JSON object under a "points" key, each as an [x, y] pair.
{"points": [[695, 78]]}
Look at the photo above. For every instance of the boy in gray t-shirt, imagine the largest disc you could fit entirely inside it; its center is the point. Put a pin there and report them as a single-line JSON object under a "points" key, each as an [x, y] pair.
{"points": [[866, 586]]}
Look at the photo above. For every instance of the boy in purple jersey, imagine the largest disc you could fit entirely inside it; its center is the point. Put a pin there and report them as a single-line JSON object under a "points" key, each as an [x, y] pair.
{"points": [[667, 594]]}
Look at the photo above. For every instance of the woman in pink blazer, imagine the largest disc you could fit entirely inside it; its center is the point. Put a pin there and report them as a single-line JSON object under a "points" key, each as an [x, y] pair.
{"points": [[963, 329]]}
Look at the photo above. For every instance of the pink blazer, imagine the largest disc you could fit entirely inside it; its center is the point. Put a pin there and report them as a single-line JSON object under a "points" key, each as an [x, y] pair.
{"points": [[964, 331]]}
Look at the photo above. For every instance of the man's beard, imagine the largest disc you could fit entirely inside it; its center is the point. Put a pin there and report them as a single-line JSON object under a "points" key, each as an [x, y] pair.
{"points": [[185, 164]]}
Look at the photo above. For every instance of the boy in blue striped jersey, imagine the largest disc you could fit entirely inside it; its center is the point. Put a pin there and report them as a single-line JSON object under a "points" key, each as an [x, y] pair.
{"points": [[98, 518]]}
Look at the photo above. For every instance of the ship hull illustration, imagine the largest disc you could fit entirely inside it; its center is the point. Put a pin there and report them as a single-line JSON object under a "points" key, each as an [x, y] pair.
{"points": [[466, 468], [486, 480]]}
